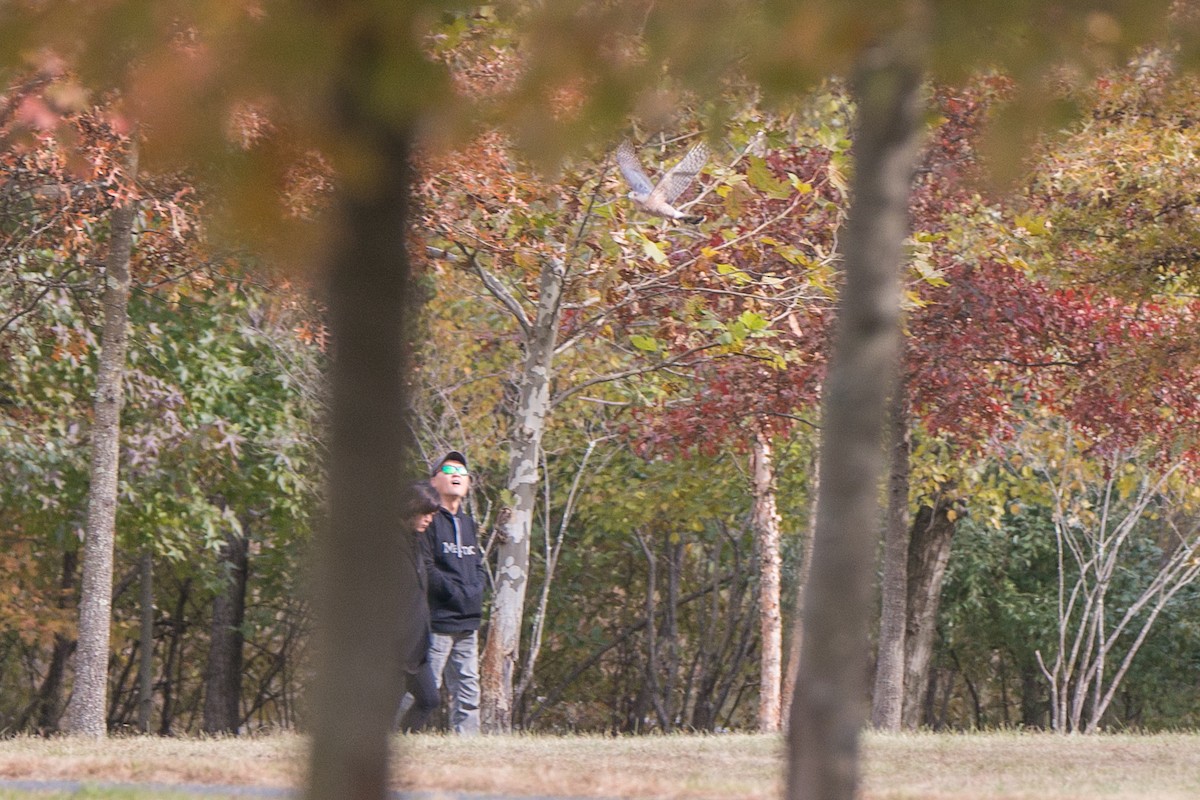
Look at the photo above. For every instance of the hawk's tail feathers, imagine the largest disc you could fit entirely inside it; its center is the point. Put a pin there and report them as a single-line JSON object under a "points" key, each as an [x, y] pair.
{"points": [[691, 219]]}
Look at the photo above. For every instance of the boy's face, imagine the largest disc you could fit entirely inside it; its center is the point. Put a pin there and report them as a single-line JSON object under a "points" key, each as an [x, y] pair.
{"points": [[452, 480]]}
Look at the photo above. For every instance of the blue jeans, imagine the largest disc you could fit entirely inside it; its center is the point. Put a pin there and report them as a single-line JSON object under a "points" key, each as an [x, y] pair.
{"points": [[456, 655]]}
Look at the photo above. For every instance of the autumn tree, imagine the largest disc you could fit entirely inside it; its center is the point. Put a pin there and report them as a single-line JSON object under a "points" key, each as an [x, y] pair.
{"points": [[89, 700], [753, 302]]}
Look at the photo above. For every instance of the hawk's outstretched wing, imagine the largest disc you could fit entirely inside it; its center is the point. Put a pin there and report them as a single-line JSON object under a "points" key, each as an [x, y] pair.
{"points": [[627, 161], [682, 174]]}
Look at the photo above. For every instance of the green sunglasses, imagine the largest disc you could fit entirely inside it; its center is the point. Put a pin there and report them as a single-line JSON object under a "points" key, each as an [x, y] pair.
{"points": [[454, 469]]}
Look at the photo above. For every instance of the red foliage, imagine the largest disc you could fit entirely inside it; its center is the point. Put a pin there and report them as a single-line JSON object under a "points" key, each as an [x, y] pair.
{"points": [[983, 350], [996, 341], [759, 383]]}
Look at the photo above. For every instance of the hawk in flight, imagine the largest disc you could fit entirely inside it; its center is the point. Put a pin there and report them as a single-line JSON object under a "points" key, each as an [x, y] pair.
{"points": [[656, 198]]}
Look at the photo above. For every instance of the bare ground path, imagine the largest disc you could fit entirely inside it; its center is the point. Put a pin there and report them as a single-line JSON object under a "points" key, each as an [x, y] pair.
{"points": [[997, 766]]}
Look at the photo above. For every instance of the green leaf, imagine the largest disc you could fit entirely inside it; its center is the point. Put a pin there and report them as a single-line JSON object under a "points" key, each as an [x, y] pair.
{"points": [[647, 343], [736, 275], [761, 178], [1035, 226], [753, 321]]}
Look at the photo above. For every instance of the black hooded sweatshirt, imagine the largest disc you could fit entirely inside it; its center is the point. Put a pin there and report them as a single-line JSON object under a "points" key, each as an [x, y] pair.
{"points": [[454, 569]]}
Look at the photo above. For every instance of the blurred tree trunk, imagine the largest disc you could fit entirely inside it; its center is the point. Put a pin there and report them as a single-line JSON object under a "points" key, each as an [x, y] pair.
{"points": [[364, 551], [765, 518], [500, 652], [887, 701], [223, 675], [829, 711], [89, 700], [929, 552]]}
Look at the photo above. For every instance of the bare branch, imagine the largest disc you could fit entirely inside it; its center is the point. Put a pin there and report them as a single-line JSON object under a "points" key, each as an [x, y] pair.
{"points": [[498, 290], [629, 373]]}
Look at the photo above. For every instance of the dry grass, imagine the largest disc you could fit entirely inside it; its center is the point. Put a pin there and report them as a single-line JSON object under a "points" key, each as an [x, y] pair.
{"points": [[1003, 766]]}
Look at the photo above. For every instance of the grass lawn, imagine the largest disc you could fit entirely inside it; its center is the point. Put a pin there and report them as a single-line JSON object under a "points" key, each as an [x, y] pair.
{"points": [[994, 766]]}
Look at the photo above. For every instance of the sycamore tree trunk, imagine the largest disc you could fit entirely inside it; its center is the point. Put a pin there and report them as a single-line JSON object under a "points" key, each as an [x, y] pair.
{"points": [[929, 551], [887, 701], [765, 522], [362, 565], [223, 675], [829, 708], [500, 652], [89, 702]]}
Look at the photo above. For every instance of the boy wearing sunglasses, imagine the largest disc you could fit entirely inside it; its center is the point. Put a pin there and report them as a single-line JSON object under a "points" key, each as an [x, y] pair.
{"points": [[455, 570]]}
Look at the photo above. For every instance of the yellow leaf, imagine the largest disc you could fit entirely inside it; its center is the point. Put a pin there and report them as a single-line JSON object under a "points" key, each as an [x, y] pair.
{"points": [[653, 251]]}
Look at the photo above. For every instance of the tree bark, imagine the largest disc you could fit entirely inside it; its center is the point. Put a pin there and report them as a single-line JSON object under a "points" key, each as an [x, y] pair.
{"points": [[765, 521], [829, 709], [887, 701], [929, 552], [364, 552], [89, 701], [145, 703], [500, 652], [223, 676]]}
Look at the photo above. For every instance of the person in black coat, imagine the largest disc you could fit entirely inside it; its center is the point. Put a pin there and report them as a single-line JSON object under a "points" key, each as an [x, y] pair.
{"points": [[457, 578], [422, 504]]}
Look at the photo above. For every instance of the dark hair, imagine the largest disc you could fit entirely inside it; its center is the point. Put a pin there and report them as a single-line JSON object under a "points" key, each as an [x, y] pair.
{"points": [[422, 499]]}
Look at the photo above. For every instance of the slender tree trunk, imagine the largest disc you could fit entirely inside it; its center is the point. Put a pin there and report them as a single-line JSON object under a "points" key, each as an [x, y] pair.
{"points": [[887, 701], [929, 552], [829, 709], [47, 706], [363, 552], [89, 702], [170, 684], [46, 709], [500, 652], [766, 531], [1033, 698], [552, 554], [653, 690], [223, 676], [622, 639], [797, 646], [675, 552], [146, 647]]}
